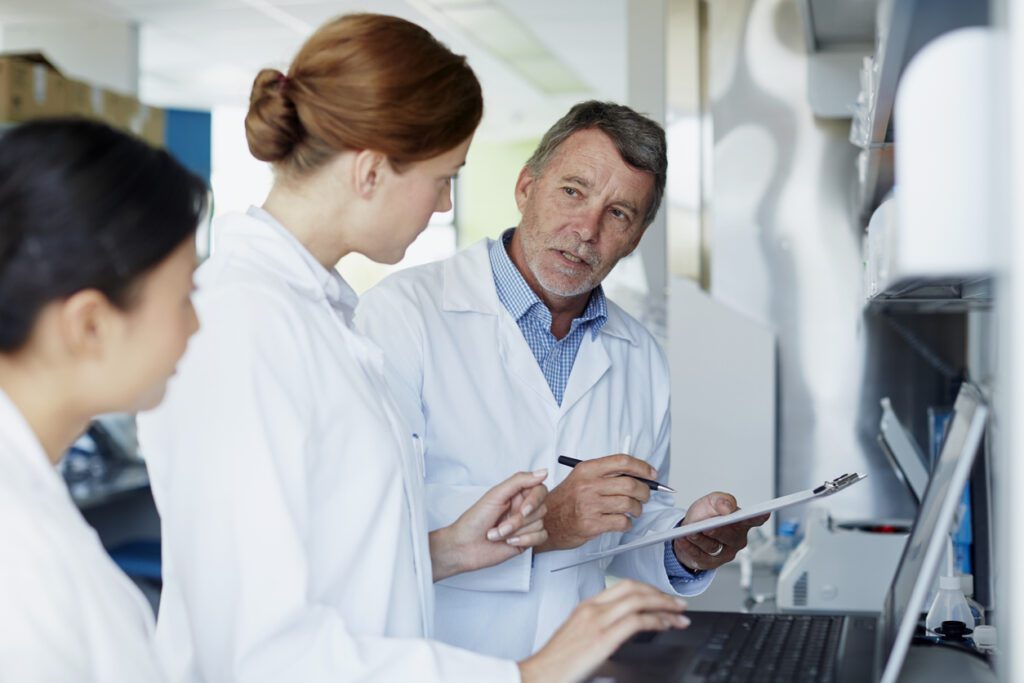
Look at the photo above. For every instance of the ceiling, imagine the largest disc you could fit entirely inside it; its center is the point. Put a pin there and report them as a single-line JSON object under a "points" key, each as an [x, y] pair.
{"points": [[205, 53]]}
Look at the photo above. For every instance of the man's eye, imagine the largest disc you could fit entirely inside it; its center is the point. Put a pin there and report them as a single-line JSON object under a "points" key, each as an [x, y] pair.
{"points": [[570, 191]]}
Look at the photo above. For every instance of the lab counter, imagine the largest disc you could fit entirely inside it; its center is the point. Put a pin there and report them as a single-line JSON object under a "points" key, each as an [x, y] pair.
{"points": [[924, 664]]}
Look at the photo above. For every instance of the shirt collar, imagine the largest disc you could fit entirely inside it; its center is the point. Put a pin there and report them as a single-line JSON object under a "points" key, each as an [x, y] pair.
{"points": [[517, 296], [338, 292]]}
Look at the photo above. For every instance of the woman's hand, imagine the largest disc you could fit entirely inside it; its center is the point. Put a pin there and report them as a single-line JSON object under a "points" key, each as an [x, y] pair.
{"points": [[597, 627], [506, 520]]}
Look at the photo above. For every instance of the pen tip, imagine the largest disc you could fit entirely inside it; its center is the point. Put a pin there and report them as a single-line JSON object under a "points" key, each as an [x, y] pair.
{"points": [[668, 489]]}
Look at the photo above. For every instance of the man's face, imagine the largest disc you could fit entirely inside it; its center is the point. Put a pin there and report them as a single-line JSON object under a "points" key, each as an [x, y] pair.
{"points": [[583, 214]]}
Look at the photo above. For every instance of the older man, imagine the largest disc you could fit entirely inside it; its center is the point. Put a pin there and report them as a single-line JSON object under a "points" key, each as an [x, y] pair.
{"points": [[508, 354]]}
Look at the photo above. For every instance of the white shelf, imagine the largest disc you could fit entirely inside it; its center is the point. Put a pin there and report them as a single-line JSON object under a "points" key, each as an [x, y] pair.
{"points": [[911, 25]]}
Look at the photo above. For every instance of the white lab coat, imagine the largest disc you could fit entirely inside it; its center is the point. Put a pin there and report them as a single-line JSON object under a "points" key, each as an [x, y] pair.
{"points": [[67, 613], [465, 376], [294, 537]]}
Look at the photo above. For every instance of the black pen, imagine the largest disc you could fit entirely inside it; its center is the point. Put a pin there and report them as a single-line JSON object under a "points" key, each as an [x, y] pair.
{"points": [[651, 484]]}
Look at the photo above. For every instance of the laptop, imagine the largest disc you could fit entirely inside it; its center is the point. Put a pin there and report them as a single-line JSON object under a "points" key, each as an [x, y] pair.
{"points": [[840, 648]]}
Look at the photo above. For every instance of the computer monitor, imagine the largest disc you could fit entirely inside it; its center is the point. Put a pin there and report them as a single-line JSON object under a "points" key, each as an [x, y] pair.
{"points": [[930, 536], [902, 451]]}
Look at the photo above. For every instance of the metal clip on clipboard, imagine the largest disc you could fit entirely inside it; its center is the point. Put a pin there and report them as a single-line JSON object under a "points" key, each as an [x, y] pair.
{"points": [[838, 484]]}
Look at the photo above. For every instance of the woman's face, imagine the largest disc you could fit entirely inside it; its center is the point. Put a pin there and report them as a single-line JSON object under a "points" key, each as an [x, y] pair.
{"points": [[408, 200], [152, 335]]}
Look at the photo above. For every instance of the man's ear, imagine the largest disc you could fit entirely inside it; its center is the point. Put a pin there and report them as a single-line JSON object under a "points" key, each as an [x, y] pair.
{"points": [[86, 321], [524, 186], [368, 170]]}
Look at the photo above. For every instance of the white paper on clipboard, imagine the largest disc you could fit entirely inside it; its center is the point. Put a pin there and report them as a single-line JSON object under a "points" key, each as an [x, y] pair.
{"points": [[827, 489]]}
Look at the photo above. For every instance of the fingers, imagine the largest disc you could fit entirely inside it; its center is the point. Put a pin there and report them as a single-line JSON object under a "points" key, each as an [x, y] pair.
{"points": [[620, 590], [612, 465], [626, 628], [714, 504], [691, 555], [642, 599], [506, 491], [622, 505], [524, 485], [723, 503], [629, 607], [735, 535], [625, 486], [534, 498], [614, 593], [706, 544], [529, 536]]}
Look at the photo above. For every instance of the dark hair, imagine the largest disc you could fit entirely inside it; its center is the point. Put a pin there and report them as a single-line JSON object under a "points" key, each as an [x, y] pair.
{"points": [[83, 206], [640, 141], [363, 81]]}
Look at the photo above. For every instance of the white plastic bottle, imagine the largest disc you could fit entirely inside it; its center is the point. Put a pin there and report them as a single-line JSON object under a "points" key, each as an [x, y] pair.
{"points": [[949, 605], [985, 639], [967, 587]]}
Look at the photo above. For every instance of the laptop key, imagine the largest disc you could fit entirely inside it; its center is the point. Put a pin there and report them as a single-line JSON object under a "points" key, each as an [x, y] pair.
{"points": [[704, 667]]}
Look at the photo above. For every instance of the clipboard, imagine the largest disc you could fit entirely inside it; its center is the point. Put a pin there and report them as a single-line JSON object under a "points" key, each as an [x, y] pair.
{"points": [[827, 489]]}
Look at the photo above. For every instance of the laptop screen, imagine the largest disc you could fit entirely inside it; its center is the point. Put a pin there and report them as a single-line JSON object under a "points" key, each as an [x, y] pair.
{"points": [[929, 538]]}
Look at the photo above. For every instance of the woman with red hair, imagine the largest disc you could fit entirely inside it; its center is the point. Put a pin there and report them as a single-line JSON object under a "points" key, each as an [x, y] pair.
{"points": [[295, 542]]}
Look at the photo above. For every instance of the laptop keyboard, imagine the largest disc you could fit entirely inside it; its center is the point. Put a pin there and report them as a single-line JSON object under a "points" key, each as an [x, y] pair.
{"points": [[765, 648]]}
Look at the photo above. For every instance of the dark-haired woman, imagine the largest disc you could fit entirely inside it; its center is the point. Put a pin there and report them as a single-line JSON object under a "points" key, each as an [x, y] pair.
{"points": [[96, 263], [295, 541]]}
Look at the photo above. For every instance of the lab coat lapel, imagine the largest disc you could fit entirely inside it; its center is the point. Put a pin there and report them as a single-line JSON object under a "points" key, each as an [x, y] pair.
{"points": [[592, 362], [518, 358], [594, 359], [469, 287]]}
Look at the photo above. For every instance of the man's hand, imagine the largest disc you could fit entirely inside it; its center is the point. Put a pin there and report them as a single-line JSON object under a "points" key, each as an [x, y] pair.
{"points": [[716, 547], [505, 521], [595, 499]]}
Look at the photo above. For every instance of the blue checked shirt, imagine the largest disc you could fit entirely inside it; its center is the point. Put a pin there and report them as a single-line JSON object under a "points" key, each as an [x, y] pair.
{"points": [[556, 356]]}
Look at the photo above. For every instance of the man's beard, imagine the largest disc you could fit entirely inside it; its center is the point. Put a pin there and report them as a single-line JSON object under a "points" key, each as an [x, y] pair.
{"points": [[580, 250]]}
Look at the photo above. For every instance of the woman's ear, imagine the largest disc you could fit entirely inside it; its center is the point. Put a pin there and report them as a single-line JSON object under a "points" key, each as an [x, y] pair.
{"points": [[86, 321], [368, 168]]}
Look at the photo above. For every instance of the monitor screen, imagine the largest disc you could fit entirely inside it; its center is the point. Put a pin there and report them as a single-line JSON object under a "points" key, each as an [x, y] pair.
{"points": [[929, 537]]}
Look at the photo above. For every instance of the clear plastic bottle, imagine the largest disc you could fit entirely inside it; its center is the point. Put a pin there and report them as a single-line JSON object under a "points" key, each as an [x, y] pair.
{"points": [[967, 587], [949, 605]]}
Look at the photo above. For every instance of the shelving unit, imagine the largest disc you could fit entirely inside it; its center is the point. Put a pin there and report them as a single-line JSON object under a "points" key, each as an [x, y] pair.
{"points": [[934, 296], [911, 25], [906, 26]]}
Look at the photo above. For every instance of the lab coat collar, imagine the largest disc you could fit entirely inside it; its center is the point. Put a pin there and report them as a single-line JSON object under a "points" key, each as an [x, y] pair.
{"points": [[18, 443], [469, 286], [262, 232]]}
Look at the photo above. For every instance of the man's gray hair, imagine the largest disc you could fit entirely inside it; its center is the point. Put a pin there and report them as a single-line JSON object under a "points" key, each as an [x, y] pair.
{"points": [[640, 141]]}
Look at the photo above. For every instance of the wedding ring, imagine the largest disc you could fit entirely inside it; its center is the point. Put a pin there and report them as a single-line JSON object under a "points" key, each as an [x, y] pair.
{"points": [[721, 546]]}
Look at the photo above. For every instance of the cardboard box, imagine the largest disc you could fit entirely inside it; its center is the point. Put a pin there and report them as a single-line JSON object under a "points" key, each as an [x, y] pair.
{"points": [[150, 124], [30, 88], [84, 100], [119, 110]]}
